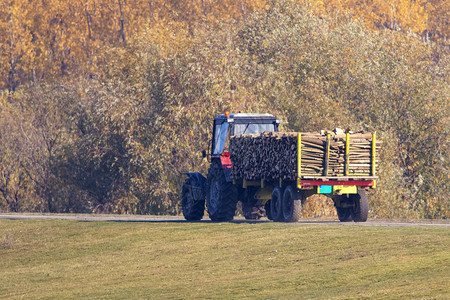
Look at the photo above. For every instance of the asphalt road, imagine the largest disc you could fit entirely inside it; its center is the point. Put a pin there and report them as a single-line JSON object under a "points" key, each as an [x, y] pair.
{"points": [[180, 219]]}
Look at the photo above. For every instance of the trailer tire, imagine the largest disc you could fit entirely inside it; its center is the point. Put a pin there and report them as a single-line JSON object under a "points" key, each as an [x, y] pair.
{"points": [[344, 214], [276, 204], [221, 196], [360, 210], [193, 209], [292, 204]]}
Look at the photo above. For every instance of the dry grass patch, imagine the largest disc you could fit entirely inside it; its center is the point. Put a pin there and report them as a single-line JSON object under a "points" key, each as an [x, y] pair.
{"points": [[70, 259]]}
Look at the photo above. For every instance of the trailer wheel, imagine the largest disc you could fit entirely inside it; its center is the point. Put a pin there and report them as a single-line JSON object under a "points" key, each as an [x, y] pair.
{"points": [[292, 204], [221, 196], [344, 214], [193, 209], [276, 204], [360, 209]]}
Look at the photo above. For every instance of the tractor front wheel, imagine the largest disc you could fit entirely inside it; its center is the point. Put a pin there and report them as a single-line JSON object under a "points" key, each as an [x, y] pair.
{"points": [[193, 209]]}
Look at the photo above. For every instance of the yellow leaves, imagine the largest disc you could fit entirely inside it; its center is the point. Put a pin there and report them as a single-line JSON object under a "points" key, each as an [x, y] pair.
{"points": [[398, 14], [53, 36], [410, 14], [161, 92]]}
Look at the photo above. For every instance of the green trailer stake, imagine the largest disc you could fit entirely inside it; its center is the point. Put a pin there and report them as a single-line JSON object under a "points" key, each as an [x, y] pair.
{"points": [[344, 168]]}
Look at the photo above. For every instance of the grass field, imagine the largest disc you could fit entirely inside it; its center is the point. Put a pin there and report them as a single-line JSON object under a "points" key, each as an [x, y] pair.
{"points": [[71, 259]]}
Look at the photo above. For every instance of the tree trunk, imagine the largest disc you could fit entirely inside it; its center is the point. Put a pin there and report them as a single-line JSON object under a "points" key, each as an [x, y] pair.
{"points": [[122, 23], [88, 19]]}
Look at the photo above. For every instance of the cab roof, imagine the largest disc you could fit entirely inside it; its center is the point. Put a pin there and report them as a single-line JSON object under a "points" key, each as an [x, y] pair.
{"points": [[247, 115], [246, 118]]}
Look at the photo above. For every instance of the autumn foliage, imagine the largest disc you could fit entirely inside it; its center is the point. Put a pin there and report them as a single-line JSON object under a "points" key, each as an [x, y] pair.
{"points": [[104, 104]]}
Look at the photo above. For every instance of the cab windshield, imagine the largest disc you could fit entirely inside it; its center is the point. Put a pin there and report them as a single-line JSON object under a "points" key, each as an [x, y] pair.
{"points": [[222, 132]]}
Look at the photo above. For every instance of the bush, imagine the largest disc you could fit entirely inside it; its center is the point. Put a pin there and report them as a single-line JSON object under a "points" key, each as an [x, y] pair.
{"points": [[120, 140]]}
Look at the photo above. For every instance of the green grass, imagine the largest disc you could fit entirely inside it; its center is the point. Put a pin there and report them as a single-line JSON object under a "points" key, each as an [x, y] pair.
{"points": [[70, 259]]}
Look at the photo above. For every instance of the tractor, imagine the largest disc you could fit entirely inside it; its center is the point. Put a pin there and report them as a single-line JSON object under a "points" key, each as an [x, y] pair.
{"points": [[217, 188]]}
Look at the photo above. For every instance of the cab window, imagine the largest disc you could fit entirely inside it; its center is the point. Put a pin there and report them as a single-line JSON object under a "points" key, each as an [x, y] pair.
{"points": [[252, 128]]}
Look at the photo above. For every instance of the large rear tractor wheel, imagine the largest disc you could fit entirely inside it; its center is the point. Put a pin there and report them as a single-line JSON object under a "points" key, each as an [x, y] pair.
{"points": [[221, 196], [193, 209], [292, 204], [276, 205], [360, 209]]}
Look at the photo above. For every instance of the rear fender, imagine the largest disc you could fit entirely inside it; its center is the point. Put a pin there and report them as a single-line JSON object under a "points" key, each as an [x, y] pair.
{"points": [[225, 161]]}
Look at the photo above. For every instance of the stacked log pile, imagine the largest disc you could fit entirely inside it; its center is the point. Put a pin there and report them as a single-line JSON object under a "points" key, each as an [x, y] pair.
{"points": [[273, 155]]}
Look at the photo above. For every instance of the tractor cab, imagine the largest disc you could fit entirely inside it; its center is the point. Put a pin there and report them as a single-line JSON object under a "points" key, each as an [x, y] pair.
{"points": [[226, 125]]}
